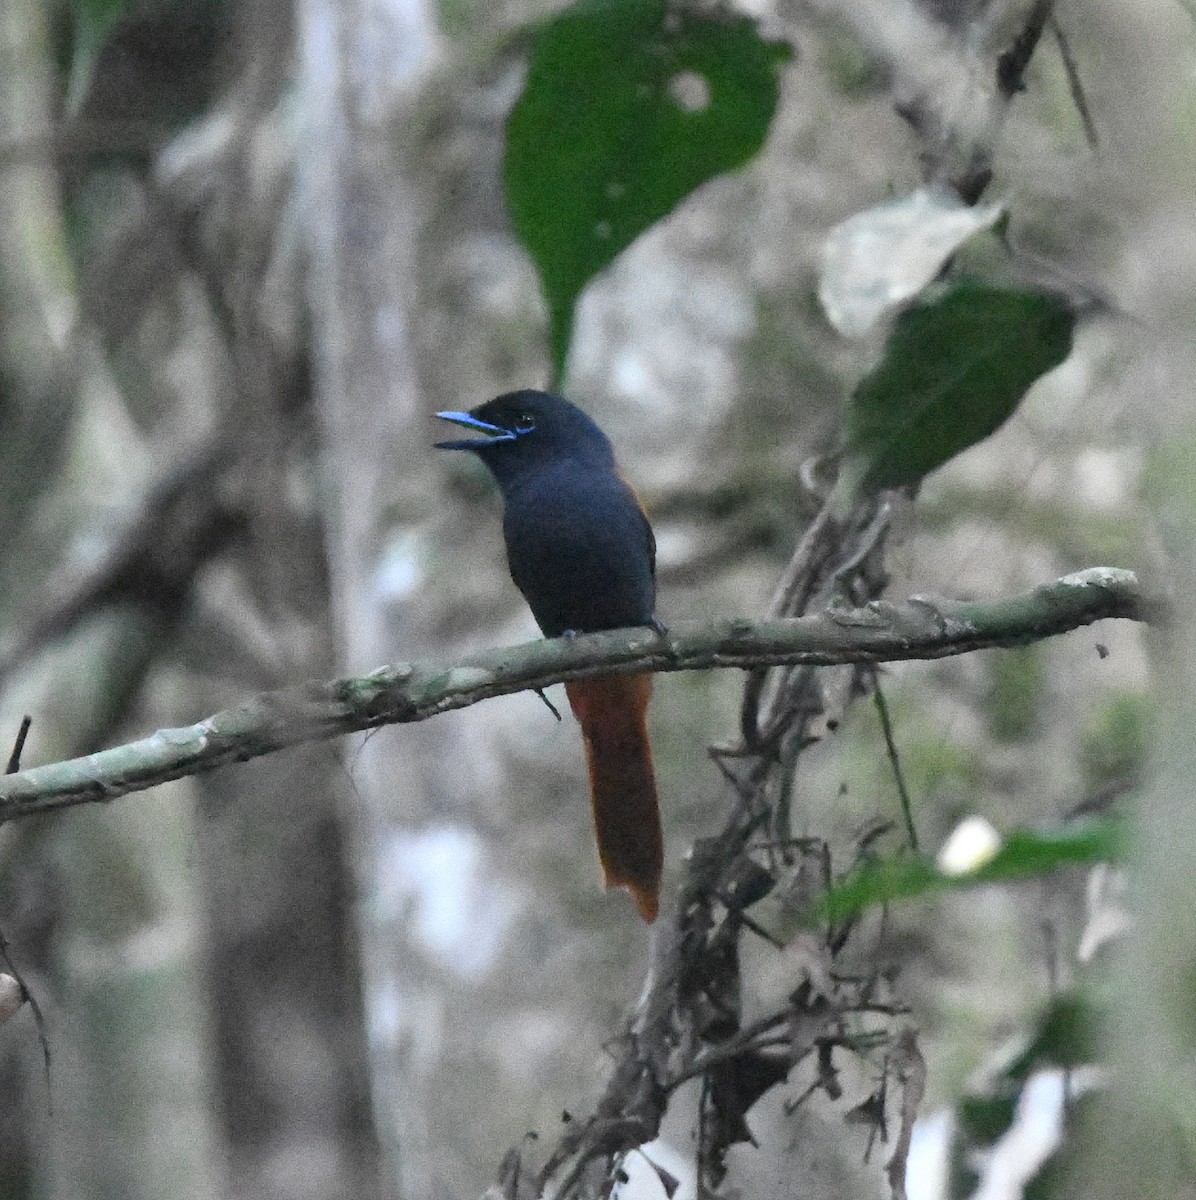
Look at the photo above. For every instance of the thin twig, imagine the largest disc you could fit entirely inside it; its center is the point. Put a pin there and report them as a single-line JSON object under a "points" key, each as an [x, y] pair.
{"points": [[14, 759], [1074, 84], [886, 726]]}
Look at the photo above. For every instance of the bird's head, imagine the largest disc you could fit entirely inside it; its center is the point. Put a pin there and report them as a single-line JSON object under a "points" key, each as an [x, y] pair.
{"points": [[527, 430]]}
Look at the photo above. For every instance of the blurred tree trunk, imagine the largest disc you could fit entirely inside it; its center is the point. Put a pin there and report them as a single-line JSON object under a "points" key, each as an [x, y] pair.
{"points": [[197, 961], [363, 65], [126, 1010], [283, 952]]}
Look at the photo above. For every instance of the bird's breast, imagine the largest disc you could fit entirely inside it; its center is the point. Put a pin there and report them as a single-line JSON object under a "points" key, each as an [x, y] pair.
{"points": [[579, 549]]}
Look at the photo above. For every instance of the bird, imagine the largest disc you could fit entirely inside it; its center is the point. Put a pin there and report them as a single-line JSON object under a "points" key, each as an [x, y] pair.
{"points": [[581, 550]]}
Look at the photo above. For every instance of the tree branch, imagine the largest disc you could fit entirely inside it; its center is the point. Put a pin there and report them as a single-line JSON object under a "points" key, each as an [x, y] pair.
{"points": [[921, 628]]}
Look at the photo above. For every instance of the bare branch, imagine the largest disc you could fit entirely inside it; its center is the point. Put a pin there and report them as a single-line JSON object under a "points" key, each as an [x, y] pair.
{"points": [[921, 628]]}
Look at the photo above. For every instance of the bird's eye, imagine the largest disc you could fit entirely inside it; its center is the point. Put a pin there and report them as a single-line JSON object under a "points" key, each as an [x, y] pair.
{"points": [[525, 423]]}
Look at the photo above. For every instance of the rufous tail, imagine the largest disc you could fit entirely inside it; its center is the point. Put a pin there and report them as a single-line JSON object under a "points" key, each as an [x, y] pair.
{"points": [[612, 713]]}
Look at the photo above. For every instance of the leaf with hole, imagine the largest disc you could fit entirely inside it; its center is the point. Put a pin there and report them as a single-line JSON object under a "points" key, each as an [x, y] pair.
{"points": [[629, 106]]}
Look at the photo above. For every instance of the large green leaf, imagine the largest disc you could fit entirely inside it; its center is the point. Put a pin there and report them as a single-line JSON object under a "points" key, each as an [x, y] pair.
{"points": [[954, 369], [629, 105]]}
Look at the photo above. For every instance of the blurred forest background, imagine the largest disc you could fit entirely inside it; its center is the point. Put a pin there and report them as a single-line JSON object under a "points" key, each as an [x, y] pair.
{"points": [[247, 250]]}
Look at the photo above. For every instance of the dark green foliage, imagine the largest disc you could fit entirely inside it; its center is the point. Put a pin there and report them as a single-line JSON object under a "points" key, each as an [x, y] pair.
{"points": [[629, 105], [1064, 1036], [982, 1120], [954, 369]]}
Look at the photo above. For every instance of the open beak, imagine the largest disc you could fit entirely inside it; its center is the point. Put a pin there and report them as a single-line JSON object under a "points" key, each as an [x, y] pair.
{"points": [[493, 433]]}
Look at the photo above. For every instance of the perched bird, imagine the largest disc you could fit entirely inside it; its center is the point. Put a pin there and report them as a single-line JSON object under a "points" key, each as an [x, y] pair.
{"points": [[581, 551]]}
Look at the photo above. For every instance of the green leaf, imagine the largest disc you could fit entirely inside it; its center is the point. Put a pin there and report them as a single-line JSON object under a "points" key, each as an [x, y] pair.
{"points": [[1066, 1035], [982, 1120], [629, 105], [1022, 855], [954, 369]]}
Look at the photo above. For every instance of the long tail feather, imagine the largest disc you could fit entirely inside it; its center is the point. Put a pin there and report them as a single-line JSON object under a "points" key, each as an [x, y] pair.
{"points": [[612, 713]]}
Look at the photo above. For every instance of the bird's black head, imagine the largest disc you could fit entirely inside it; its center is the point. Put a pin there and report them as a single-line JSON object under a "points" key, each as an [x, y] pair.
{"points": [[525, 431]]}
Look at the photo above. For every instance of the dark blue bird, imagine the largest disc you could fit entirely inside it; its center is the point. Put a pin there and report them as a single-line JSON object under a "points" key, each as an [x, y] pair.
{"points": [[581, 551]]}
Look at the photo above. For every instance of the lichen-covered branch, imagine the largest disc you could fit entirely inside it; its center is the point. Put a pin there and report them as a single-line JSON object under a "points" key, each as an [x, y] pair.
{"points": [[920, 628]]}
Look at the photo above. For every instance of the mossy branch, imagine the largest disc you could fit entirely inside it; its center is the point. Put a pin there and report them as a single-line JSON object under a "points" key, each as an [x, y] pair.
{"points": [[921, 628]]}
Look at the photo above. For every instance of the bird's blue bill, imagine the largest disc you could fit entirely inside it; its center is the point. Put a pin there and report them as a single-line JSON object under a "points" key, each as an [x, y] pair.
{"points": [[494, 433]]}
